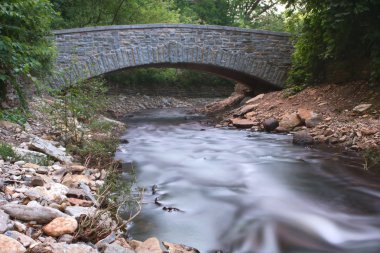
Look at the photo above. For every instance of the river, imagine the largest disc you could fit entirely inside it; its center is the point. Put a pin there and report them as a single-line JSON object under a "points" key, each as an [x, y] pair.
{"points": [[241, 191]]}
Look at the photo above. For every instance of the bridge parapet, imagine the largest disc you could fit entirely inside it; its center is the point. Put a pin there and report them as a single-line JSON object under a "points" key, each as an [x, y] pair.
{"points": [[241, 54]]}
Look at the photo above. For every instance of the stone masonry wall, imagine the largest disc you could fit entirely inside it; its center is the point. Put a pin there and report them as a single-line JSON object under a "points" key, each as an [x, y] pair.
{"points": [[89, 52]]}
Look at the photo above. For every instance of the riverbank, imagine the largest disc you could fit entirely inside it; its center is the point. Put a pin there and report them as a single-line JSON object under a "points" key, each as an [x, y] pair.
{"points": [[56, 197], [345, 116]]}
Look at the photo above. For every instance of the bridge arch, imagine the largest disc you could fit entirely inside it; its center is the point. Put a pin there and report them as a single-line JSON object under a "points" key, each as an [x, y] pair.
{"points": [[244, 55]]}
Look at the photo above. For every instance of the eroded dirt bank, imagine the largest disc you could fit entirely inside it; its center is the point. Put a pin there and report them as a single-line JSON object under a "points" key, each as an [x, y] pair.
{"points": [[346, 116]]}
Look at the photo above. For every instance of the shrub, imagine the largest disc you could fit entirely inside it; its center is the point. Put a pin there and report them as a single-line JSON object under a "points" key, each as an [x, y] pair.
{"points": [[16, 115], [79, 102], [7, 152]]}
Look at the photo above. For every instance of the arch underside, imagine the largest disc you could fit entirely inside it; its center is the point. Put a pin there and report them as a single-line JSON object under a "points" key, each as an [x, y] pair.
{"points": [[235, 66]]}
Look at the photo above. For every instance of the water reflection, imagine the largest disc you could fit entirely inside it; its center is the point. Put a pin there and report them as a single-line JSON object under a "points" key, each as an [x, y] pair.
{"points": [[248, 192]]}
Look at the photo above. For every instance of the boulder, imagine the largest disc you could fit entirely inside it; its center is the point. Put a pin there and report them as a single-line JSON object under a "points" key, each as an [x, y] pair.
{"points": [[25, 240], [106, 241], [31, 156], [179, 248], [254, 99], [362, 108], [290, 121], [270, 124], [308, 117], [63, 247], [242, 123], [116, 248], [4, 219], [56, 193], [48, 148], [40, 248], [39, 214], [151, 245], [60, 226], [77, 211], [66, 238], [76, 168], [74, 180], [10, 245], [302, 138]]}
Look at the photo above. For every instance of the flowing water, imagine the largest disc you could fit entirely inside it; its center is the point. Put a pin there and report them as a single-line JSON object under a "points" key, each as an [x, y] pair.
{"points": [[239, 191]]}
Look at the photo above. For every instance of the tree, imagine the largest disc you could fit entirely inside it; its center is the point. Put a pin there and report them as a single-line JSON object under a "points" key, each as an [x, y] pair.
{"points": [[259, 14], [25, 49], [82, 13], [335, 31]]}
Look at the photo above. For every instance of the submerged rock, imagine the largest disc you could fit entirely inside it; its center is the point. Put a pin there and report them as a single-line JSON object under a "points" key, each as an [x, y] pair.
{"points": [[302, 138]]}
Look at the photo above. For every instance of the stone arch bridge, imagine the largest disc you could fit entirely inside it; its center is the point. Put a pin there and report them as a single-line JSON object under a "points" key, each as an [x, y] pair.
{"points": [[249, 56]]}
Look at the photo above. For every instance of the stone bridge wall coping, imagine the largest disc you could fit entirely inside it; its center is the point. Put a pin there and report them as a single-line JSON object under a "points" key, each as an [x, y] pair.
{"points": [[150, 26]]}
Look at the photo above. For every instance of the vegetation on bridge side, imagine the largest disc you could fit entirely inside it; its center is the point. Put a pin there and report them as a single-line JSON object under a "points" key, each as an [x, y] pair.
{"points": [[336, 36]]}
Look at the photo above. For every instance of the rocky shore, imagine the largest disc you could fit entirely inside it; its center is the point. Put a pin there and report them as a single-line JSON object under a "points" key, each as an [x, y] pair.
{"points": [[119, 106], [347, 115], [50, 202]]}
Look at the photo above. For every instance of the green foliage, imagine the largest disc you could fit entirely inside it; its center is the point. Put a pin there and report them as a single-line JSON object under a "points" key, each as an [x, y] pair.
{"points": [[110, 12], [335, 31], [101, 149], [7, 152], [372, 159], [76, 103], [156, 78], [25, 49], [100, 126], [15, 115], [258, 14]]}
